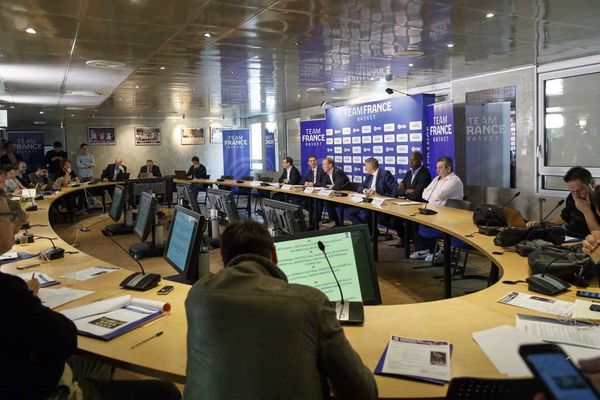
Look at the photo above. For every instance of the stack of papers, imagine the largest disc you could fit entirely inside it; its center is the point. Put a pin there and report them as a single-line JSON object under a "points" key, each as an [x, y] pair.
{"points": [[586, 311], [538, 303], [566, 332], [113, 317], [89, 273], [53, 298], [420, 359], [45, 280]]}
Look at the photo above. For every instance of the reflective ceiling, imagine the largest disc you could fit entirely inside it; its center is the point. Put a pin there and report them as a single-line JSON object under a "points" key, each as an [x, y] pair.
{"points": [[238, 58]]}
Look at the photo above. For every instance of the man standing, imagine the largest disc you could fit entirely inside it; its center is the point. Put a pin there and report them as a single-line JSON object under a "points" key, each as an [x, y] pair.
{"points": [[10, 157], [447, 185], [332, 178], [290, 175], [416, 179], [85, 163], [251, 334], [53, 159], [314, 173], [150, 168], [377, 181]]}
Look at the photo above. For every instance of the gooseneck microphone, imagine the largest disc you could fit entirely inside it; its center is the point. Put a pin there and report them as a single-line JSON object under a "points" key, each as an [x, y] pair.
{"points": [[348, 312], [53, 253], [33, 206], [424, 210], [560, 203], [486, 230]]}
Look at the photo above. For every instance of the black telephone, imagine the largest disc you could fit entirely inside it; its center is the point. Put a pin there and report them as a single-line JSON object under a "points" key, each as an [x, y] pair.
{"points": [[547, 284], [140, 282]]}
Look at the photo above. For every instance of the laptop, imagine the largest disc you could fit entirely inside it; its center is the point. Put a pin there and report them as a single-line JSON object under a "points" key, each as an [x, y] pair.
{"points": [[146, 175], [181, 175], [122, 176]]}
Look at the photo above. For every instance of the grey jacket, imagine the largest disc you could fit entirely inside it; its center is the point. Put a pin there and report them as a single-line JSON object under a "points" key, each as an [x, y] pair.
{"points": [[252, 335]]}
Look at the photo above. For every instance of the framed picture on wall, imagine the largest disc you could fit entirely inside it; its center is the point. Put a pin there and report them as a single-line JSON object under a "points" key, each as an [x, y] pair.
{"points": [[216, 134], [101, 136], [192, 135], [147, 136]]}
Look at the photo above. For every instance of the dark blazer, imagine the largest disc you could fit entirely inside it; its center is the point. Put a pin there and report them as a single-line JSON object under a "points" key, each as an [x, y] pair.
{"points": [[385, 184], [6, 161], [294, 177], [339, 179], [197, 173], [109, 171], [155, 171], [308, 176], [421, 181]]}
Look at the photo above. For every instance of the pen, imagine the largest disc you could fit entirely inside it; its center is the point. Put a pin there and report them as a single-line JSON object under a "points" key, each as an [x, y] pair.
{"points": [[147, 340]]}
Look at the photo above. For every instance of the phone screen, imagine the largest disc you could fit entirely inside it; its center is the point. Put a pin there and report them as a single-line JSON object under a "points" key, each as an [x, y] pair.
{"points": [[560, 377]]}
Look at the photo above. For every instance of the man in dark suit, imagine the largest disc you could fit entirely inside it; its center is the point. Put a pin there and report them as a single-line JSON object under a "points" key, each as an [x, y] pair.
{"points": [[314, 173], [112, 171], [332, 178], [415, 180], [290, 175], [197, 170], [150, 168], [377, 181]]}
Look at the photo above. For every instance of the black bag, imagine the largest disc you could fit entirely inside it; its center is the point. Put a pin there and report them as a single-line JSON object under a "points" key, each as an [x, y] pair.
{"points": [[546, 231], [568, 263], [489, 215], [526, 247]]}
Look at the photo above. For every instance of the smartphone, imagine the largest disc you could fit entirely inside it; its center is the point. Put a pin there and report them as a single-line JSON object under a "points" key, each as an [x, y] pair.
{"points": [[165, 289], [556, 373], [591, 295]]}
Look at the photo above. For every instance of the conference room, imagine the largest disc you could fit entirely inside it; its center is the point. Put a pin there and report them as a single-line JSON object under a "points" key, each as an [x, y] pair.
{"points": [[300, 199]]}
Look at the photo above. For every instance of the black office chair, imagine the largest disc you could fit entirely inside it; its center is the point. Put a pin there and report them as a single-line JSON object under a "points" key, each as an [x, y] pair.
{"points": [[243, 192], [491, 389], [260, 194], [352, 186]]}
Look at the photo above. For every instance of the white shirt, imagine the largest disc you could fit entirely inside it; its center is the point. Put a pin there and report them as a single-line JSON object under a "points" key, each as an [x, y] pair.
{"points": [[374, 180], [330, 175], [118, 169], [414, 173], [450, 187]]}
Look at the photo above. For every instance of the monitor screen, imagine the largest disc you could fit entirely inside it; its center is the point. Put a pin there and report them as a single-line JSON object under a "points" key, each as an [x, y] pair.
{"points": [[191, 196], [118, 201], [182, 241], [283, 218], [350, 254], [145, 217], [223, 201]]}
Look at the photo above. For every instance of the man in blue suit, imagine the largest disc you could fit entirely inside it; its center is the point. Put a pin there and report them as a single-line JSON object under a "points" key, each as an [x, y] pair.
{"points": [[314, 174], [377, 181]]}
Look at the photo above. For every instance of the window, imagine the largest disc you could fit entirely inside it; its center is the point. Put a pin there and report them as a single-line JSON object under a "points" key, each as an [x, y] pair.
{"points": [[256, 146], [568, 123], [292, 127]]}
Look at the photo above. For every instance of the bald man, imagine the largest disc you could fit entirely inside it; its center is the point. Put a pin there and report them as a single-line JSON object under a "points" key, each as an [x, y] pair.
{"points": [[112, 171]]}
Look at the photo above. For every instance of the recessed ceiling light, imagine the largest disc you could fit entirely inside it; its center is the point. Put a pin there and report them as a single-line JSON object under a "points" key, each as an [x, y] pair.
{"points": [[162, 68], [409, 53], [489, 15], [298, 96], [106, 64], [411, 65], [74, 108], [82, 93], [31, 30], [12, 106], [137, 86], [72, 115], [207, 34], [450, 45], [39, 122], [41, 112]]}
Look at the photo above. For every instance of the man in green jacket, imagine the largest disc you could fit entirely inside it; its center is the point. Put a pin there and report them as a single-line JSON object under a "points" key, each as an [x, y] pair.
{"points": [[252, 335]]}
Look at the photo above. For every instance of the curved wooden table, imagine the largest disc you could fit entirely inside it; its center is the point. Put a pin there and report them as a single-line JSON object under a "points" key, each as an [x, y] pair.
{"points": [[453, 320]]}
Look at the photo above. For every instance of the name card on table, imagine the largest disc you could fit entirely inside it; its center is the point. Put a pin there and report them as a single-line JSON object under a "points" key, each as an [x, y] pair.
{"points": [[356, 198], [311, 189], [326, 192], [379, 201], [286, 187]]}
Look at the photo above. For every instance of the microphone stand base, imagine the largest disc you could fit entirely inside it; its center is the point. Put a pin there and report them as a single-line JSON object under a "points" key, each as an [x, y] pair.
{"points": [[350, 313], [52, 253]]}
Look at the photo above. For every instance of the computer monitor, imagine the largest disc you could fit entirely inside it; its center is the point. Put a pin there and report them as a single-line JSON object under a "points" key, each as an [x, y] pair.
{"points": [[223, 201], [350, 254], [191, 196], [283, 218], [183, 244], [146, 213], [118, 203]]}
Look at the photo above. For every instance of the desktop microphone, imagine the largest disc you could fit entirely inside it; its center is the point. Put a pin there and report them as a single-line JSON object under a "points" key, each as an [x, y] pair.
{"points": [[339, 193], [33, 206], [545, 283], [424, 210], [24, 238], [349, 312], [53, 253], [560, 203], [486, 230], [140, 281]]}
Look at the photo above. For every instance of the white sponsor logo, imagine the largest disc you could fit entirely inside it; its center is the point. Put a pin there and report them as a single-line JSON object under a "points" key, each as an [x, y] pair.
{"points": [[329, 141], [347, 168], [356, 149], [347, 140], [377, 139], [338, 158], [402, 137], [366, 129], [388, 127], [356, 140], [379, 158], [377, 149], [390, 160], [328, 132], [391, 169], [366, 139], [337, 140], [337, 150], [402, 148], [415, 148], [415, 125], [356, 160], [402, 160], [347, 159], [416, 137], [389, 138], [346, 131]]}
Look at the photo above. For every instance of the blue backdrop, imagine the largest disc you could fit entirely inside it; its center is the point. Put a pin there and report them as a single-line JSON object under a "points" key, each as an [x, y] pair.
{"points": [[270, 163], [312, 141], [388, 130], [30, 145], [236, 152], [440, 134]]}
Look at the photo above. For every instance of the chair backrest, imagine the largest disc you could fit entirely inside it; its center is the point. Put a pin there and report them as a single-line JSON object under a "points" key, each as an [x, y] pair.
{"points": [[460, 204], [491, 389], [352, 186], [248, 178], [513, 217], [227, 177], [265, 178]]}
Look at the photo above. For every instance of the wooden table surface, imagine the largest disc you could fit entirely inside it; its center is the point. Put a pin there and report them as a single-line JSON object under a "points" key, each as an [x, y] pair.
{"points": [[453, 319]]}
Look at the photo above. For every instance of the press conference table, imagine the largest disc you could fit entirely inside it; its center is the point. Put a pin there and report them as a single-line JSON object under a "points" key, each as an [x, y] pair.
{"points": [[453, 319]]}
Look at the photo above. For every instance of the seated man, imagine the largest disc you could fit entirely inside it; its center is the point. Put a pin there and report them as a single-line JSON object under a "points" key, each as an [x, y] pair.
{"points": [[65, 177], [447, 185], [22, 176], [377, 181], [13, 186], [40, 177], [112, 171], [332, 178], [314, 174], [253, 335], [150, 168], [579, 215], [290, 175], [35, 352], [197, 170]]}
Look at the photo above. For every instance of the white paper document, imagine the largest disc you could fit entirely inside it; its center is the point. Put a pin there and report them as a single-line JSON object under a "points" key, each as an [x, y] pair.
{"points": [[53, 298], [45, 280], [419, 358], [501, 346], [89, 273], [407, 203], [586, 311], [9, 256], [538, 303], [551, 330]]}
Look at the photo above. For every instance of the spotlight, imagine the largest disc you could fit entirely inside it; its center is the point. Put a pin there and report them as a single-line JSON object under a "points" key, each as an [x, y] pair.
{"points": [[391, 91]]}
